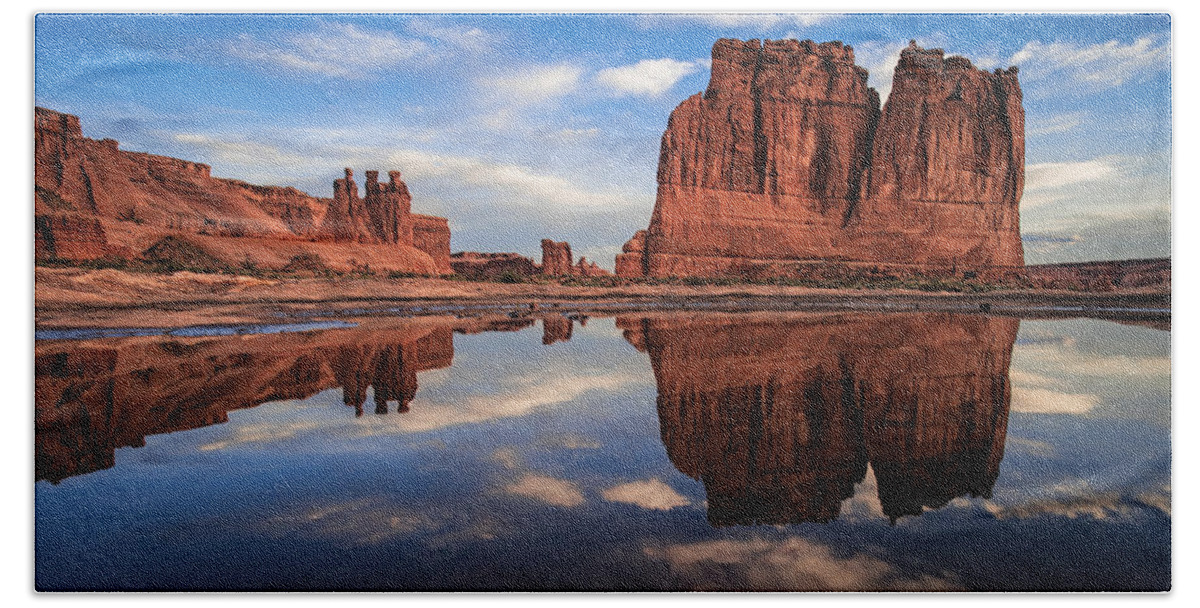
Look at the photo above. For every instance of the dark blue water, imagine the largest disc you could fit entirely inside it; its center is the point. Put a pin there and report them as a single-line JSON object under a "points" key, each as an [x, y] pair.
{"points": [[707, 451]]}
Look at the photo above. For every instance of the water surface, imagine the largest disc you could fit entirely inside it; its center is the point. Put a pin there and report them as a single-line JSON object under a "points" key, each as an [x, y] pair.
{"points": [[795, 451]]}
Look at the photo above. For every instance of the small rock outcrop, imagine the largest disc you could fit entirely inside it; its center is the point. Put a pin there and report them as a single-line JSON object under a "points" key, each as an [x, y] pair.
{"points": [[786, 160], [491, 266]]}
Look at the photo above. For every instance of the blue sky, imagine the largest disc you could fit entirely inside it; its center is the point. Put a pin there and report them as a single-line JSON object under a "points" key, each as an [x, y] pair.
{"points": [[521, 127]]}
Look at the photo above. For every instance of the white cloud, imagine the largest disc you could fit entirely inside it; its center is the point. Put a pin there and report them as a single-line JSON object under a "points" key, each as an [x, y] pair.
{"points": [[1098, 66], [648, 494], [761, 20], [529, 187], [1050, 176], [532, 84], [557, 492], [1058, 123], [794, 564], [651, 77], [337, 49], [467, 38]]}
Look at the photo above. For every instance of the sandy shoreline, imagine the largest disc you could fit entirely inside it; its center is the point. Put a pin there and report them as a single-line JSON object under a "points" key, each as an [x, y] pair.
{"points": [[74, 298]]}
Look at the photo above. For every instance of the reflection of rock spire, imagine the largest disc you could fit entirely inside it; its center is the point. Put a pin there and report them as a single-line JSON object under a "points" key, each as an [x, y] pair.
{"points": [[95, 396], [779, 419], [556, 328]]}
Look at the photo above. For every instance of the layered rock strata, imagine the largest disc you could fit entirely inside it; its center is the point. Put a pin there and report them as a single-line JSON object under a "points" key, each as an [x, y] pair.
{"points": [[780, 417], [94, 200], [786, 160]]}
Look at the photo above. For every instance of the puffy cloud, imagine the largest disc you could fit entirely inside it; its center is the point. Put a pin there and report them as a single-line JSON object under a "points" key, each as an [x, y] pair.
{"points": [[336, 49], [1097, 66], [794, 564], [651, 77], [532, 84], [557, 492], [648, 494]]}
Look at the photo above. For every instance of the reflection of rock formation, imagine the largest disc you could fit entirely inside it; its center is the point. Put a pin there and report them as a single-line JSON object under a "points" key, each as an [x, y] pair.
{"points": [[556, 328], [93, 397], [779, 418]]}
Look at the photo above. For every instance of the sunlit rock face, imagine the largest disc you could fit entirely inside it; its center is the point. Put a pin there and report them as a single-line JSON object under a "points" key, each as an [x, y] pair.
{"points": [[95, 396], [94, 200], [779, 418], [786, 159]]}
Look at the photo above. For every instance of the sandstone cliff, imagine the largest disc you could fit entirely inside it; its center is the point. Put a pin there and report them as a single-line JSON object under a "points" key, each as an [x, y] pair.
{"points": [[94, 200], [779, 417], [786, 159]]}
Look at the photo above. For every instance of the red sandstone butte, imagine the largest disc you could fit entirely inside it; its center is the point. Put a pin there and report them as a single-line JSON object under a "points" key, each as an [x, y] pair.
{"points": [[94, 200], [786, 160]]}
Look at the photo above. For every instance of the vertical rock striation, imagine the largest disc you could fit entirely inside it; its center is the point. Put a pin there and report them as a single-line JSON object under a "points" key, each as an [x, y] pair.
{"points": [[786, 159]]}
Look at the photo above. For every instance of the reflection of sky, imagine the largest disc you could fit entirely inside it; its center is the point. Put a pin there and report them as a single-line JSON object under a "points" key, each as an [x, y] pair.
{"points": [[542, 467]]}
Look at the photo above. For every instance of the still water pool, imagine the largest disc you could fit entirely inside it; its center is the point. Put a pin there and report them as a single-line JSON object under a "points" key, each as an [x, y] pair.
{"points": [[657, 451]]}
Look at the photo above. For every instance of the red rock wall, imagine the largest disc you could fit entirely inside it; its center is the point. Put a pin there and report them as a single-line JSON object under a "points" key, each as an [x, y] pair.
{"points": [[139, 198], [777, 159], [779, 417]]}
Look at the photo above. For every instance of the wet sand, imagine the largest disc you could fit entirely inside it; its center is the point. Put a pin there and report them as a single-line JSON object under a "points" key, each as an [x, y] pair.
{"points": [[78, 298]]}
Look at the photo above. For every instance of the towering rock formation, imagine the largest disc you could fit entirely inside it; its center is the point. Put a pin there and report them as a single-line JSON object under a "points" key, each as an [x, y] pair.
{"points": [[779, 417], [786, 160], [94, 200]]}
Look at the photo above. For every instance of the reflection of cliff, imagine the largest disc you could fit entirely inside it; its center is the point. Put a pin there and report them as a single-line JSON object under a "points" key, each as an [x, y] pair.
{"points": [[93, 397], [779, 418]]}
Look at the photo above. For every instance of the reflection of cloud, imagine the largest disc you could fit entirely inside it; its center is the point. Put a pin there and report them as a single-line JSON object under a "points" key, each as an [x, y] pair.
{"points": [[864, 503], [507, 457], [1099, 506], [647, 494], [795, 564], [366, 521], [266, 432], [521, 397], [558, 492], [570, 441], [1030, 446], [651, 77], [1046, 401]]}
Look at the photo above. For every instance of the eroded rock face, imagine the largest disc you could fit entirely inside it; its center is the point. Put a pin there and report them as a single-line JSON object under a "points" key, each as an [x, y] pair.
{"points": [[786, 159], [93, 199], [780, 417]]}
